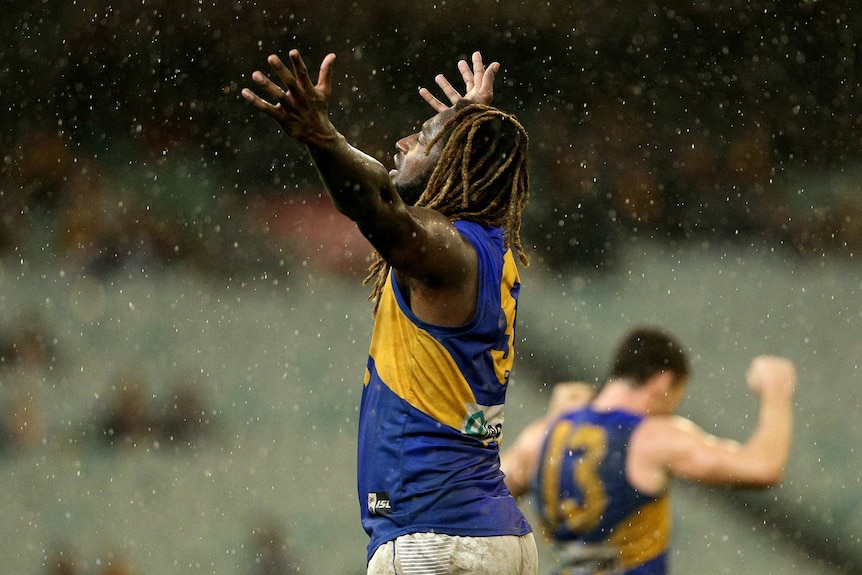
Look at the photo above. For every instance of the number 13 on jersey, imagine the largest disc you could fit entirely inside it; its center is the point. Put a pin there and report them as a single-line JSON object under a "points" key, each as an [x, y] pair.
{"points": [[572, 492]]}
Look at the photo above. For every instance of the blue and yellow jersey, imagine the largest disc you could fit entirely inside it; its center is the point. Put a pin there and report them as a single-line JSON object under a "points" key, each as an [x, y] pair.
{"points": [[431, 415], [583, 494]]}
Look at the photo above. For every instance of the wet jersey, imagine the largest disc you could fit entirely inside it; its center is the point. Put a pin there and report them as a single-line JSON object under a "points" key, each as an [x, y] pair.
{"points": [[585, 500], [431, 414]]}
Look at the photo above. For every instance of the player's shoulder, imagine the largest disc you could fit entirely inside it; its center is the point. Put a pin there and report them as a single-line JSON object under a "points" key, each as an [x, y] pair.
{"points": [[661, 431]]}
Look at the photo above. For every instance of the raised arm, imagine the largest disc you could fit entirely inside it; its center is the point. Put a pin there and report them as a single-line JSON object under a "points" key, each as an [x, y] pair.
{"points": [[680, 448], [478, 84], [417, 242], [358, 183]]}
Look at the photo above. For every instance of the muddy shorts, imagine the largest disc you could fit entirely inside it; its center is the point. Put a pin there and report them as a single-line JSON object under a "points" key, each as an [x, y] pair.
{"points": [[437, 554]]}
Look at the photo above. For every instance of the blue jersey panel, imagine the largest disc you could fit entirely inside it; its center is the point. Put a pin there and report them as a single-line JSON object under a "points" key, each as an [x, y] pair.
{"points": [[431, 414]]}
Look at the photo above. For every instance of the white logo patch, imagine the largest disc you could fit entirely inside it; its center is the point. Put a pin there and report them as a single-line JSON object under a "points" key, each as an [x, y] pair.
{"points": [[379, 503], [483, 421]]}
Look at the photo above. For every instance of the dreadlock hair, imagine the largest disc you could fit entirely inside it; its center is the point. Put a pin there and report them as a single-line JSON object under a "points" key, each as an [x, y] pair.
{"points": [[481, 176]]}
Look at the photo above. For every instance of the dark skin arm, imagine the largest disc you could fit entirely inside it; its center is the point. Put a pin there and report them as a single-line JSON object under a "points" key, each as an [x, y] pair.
{"points": [[431, 259]]}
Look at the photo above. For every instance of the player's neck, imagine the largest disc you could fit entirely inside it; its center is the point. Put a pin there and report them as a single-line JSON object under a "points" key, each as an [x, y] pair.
{"points": [[619, 395]]}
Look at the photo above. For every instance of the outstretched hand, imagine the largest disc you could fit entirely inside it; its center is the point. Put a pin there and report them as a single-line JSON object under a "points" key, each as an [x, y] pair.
{"points": [[478, 83], [300, 108]]}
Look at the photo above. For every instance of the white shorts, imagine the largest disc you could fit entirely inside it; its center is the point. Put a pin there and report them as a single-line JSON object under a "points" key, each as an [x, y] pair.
{"points": [[438, 554]]}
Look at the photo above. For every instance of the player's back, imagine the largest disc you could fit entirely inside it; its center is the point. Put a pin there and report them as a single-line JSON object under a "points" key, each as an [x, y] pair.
{"points": [[597, 519]]}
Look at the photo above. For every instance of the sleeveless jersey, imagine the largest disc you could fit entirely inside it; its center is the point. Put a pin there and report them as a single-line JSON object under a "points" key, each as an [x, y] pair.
{"points": [[584, 497], [431, 413]]}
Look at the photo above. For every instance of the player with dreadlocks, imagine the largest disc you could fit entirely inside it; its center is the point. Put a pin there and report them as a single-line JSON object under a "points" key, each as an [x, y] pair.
{"points": [[444, 223], [467, 179]]}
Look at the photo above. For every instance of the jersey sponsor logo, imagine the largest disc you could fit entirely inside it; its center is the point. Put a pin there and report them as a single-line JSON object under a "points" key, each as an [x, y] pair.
{"points": [[379, 503], [483, 421]]}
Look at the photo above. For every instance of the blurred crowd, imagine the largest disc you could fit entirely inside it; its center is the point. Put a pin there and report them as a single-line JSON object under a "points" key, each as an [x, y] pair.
{"points": [[269, 554], [172, 418], [127, 143], [132, 414]]}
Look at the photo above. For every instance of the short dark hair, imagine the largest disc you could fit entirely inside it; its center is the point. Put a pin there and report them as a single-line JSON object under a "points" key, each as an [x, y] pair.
{"points": [[646, 352]]}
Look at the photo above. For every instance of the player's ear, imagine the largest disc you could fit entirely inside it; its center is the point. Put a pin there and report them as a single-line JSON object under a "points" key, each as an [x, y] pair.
{"points": [[662, 383]]}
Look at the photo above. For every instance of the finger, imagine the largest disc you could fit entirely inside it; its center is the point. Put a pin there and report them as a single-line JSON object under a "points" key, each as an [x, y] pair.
{"points": [[436, 104], [323, 81], [291, 87], [466, 74], [257, 101], [488, 77], [478, 68], [281, 71], [274, 90], [447, 88], [300, 70]]}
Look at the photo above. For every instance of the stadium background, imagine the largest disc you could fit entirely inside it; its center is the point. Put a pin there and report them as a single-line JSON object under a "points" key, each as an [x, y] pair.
{"points": [[694, 166]]}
